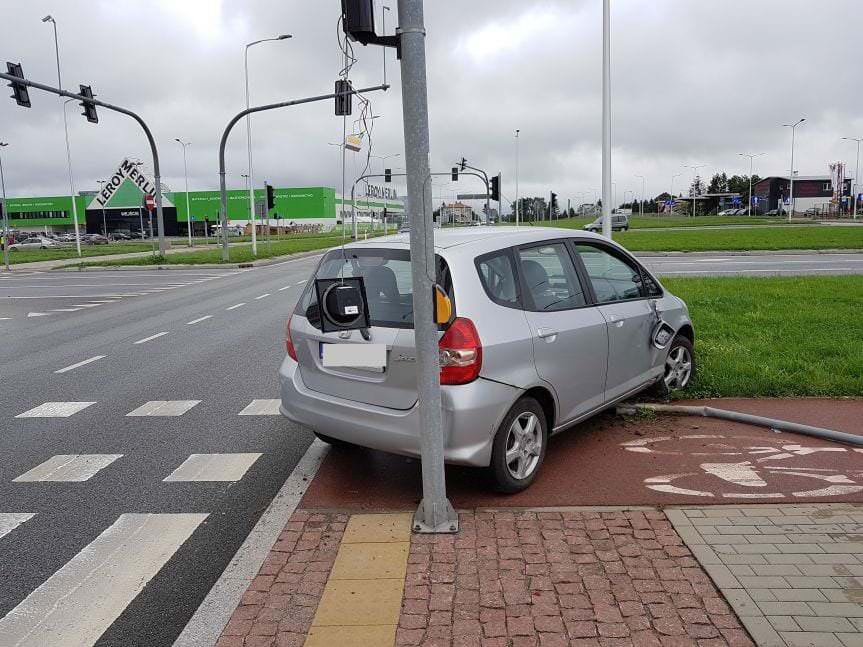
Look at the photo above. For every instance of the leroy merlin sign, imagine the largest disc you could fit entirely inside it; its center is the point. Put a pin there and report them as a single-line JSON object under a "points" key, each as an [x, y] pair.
{"points": [[126, 188]]}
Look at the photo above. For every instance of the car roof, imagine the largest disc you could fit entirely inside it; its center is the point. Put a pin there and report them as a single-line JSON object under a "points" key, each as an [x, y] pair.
{"points": [[473, 240]]}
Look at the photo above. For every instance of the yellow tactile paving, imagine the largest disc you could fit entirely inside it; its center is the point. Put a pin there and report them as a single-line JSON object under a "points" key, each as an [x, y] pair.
{"points": [[371, 561], [367, 528], [366, 636], [363, 596]]}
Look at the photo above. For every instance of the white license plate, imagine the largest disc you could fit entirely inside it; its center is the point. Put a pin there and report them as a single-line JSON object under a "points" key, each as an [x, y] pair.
{"points": [[372, 356]]}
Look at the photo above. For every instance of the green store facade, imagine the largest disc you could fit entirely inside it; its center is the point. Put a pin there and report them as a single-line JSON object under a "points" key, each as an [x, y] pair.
{"points": [[122, 201]]}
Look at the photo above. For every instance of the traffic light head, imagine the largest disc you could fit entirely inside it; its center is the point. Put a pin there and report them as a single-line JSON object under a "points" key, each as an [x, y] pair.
{"points": [[495, 188], [19, 90], [455, 173], [388, 175], [344, 97], [89, 107], [271, 197]]}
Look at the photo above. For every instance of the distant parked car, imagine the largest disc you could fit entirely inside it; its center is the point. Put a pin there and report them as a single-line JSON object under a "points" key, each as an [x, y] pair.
{"points": [[94, 239], [775, 212], [34, 243], [619, 222], [121, 235]]}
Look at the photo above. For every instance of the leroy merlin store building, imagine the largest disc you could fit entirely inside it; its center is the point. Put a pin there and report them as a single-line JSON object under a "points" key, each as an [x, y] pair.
{"points": [[122, 200]]}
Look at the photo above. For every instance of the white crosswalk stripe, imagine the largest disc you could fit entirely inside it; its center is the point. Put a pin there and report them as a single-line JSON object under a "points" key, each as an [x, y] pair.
{"points": [[11, 520], [68, 468], [164, 408], [55, 410], [213, 467], [75, 606], [261, 408]]}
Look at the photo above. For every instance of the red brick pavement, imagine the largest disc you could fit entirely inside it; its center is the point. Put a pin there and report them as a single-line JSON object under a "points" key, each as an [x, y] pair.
{"points": [[549, 579], [508, 579]]}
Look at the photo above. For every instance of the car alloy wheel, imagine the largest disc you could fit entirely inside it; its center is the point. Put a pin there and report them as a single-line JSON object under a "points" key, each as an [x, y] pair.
{"points": [[678, 368], [523, 445]]}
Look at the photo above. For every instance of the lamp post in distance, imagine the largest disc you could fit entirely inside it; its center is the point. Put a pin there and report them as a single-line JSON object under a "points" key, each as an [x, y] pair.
{"points": [[793, 128], [751, 157], [856, 187], [186, 175]]}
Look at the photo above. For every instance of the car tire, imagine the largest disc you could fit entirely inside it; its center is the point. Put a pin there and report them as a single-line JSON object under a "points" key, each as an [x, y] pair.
{"points": [[676, 374], [515, 456], [333, 442]]}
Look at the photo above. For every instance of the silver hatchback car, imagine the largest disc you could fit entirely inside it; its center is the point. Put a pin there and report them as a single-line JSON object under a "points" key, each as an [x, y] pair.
{"points": [[549, 327]]}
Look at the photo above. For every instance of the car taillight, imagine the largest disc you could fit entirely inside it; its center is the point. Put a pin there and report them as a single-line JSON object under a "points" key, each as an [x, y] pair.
{"points": [[289, 344], [460, 353]]}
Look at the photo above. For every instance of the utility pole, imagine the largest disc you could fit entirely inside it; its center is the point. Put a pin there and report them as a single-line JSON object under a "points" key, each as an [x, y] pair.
{"points": [[606, 118], [671, 199], [694, 168], [856, 172], [186, 176], [793, 128], [101, 184], [517, 131], [5, 213], [435, 513]]}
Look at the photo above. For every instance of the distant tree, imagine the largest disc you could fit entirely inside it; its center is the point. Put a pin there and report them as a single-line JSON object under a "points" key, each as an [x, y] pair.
{"points": [[740, 184], [697, 186], [718, 183]]}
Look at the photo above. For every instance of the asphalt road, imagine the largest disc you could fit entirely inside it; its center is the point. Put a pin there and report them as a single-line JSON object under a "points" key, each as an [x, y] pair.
{"points": [[144, 512], [170, 540]]}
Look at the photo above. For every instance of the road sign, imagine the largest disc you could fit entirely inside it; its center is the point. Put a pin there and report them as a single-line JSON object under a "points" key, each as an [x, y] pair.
{"points": [[149, 202], [260, 209], [471, 196]]}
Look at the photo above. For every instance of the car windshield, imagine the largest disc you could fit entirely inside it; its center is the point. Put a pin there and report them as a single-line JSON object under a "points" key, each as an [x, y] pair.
{"points": [[386, 275]]}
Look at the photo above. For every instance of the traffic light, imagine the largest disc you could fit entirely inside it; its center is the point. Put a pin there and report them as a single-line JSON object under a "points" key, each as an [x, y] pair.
{"points": [[495, 188], [553, 203], [19, 90], [388, 175], [463, 163], [89, 107], [455, 173], [271, 196], [358, 20], [344, 95]]}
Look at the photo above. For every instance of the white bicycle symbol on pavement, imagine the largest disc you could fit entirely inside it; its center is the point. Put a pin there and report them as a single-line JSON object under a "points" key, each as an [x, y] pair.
{"points": [[752, 474]]}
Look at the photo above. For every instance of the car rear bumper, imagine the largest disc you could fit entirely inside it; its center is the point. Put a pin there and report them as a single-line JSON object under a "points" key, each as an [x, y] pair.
{"points": [[471, 414]]}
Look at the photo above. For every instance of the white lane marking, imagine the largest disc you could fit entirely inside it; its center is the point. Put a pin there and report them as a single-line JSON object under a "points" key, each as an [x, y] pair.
{"points": [[214, 612], [213, 467], [774, 271], [87, 305], [768, 262], [37, 314], [262, 296], [287, 287], [151, 337], [199, 320], [11, 520], [63, 296], [5, 318], [303, 281], [75, 606], [164, 408], [55, 410], [68, 468], [72, 367], [65, 309], [261, 408], [235, 306]]}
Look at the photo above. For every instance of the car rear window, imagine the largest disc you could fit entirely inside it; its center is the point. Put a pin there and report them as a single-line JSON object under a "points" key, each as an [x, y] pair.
{"points": [[387, 277]]}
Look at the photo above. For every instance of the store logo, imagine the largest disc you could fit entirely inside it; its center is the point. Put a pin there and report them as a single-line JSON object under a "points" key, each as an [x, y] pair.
{"points": [[381, 192], [126, 170]]}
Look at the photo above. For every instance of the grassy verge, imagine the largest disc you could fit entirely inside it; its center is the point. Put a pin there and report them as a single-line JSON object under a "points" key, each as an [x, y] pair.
{"points": [[767, 238], [652, 222], [800, 336]]}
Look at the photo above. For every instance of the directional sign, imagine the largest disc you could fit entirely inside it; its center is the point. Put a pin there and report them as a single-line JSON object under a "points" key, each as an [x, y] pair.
{"points": [[471, 196], [149, 202], [260, 209]]}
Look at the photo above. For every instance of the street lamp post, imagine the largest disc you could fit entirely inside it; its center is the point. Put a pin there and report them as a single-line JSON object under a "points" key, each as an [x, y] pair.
{"points": [[606, 118], [249, 137], [101, 184], [5, 213], [186, 176], [856, 171], [517, 131], [694, 168], [793, 128], [673, 177], [641, 202], [751, 157], [53, 22]]}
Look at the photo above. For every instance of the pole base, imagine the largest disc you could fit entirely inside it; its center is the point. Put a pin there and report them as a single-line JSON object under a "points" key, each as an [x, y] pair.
{"points": [[443, 519]]}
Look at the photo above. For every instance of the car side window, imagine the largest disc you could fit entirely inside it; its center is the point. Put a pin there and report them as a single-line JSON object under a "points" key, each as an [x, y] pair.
{"points": [[650, 287], [497, 274], [550, 278], [612, 278]]}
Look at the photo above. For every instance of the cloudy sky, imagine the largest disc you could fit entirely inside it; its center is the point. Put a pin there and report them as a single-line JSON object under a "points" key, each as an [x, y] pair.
{"points": [[694, 82]]}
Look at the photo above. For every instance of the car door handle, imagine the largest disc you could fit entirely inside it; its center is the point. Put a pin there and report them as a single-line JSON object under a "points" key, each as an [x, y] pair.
{"points": [[548, 334]]}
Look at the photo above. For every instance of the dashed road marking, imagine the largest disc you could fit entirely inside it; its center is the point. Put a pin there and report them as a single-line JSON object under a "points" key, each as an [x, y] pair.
{"points": [[87, 305], [199, 320], [68, 468], [11, 520], [287, 287], [65, 310], [75, 606], [151, 337], [37, 314], [235, 306], [261, 408], [164, 408], [55, 410], [262, 296], [213, 467], [72, 367]]}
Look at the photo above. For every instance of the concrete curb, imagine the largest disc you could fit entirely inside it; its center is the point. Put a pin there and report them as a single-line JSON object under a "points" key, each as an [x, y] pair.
{"points": [[206, 266], [762, 252]]}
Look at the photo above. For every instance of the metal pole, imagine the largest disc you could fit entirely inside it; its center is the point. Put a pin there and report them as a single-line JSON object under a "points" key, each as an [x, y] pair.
{"points": [[606, 118], [5, 212], [516, 177], [186, 175], [66, 131], [641, 201], [856, 185], [141, 221], [793, 128], [101, 184], [435, 513]]}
